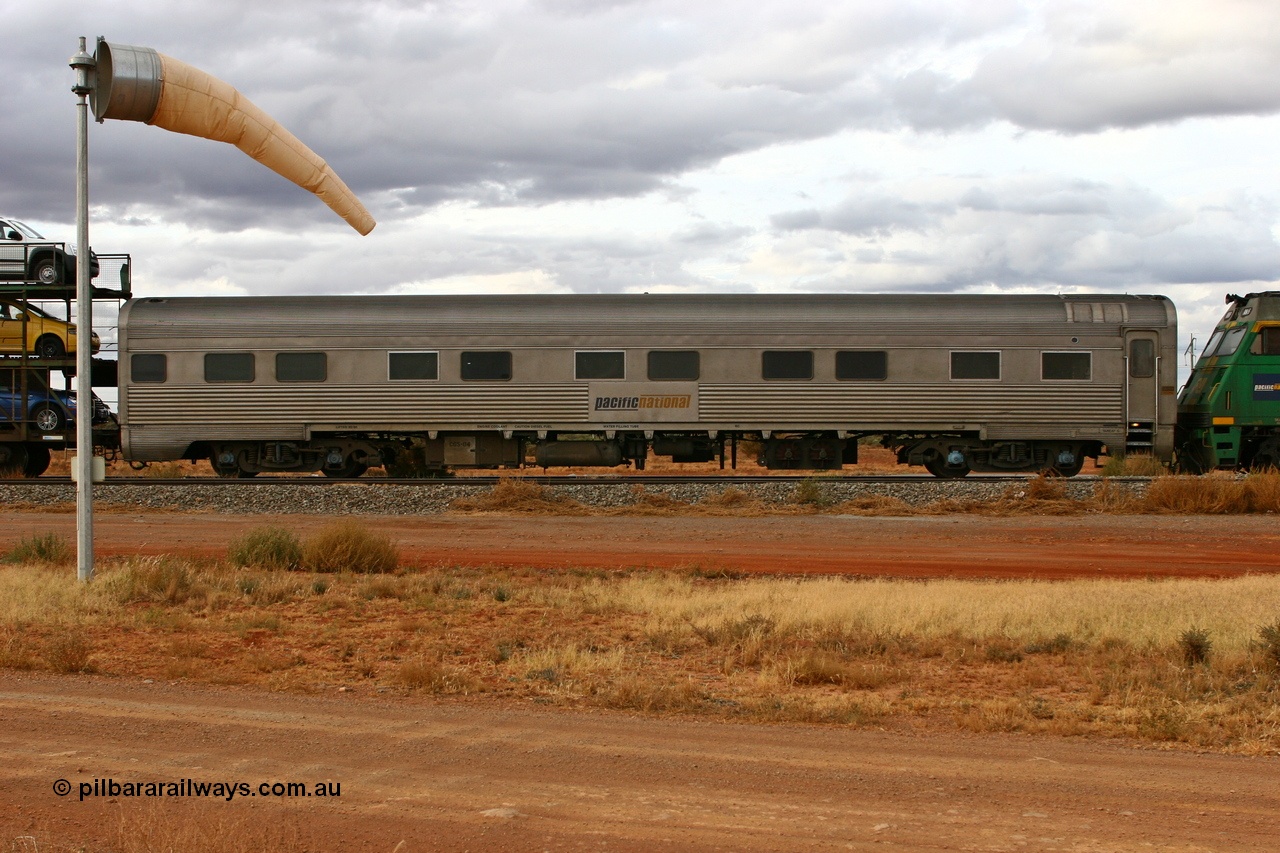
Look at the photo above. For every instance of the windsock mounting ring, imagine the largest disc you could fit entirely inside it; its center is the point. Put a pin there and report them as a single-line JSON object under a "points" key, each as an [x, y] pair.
{"points": [[129, 82]]}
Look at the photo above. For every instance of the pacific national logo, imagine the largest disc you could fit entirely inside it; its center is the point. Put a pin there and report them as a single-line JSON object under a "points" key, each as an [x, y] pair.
{"points": [[648, 401], [1266, 387]]}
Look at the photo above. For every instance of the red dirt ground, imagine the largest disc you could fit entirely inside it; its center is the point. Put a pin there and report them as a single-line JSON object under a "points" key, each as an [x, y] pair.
{"points": [[453, 775], [1045, 547]]}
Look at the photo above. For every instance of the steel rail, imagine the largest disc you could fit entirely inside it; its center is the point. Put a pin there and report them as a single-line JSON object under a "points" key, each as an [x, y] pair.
{"points": [[559, 480]]}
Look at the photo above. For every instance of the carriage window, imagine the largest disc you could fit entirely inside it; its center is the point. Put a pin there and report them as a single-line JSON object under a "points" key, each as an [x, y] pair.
{"points": [[599, 365], [787, 364], [862, 364], [413, 365], [149, 367], [486, 366], [1142, 358], [674, 365], [228, 367], [975, 365], [1066, 365], [301, 367]]}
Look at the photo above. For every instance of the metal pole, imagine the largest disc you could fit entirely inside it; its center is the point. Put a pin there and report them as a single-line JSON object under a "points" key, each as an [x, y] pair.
{"points": [[84, 65]]}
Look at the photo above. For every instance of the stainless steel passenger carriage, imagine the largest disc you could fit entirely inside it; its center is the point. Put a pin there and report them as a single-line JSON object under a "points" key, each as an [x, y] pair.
{"points": [[955, 383]]}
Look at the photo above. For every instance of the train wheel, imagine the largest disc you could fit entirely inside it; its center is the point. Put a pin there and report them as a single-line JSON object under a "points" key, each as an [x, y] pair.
{"points": [[13, 459], [938, 467], [232, 472], [351, 468], [37, 460], [1065, 470], [1192, 459]]}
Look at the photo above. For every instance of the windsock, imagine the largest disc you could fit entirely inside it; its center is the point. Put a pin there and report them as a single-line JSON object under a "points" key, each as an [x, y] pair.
{"points": [[139, 84]]}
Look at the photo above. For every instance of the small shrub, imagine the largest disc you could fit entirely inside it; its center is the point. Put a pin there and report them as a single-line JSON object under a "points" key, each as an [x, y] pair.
{"points": [[511, 495], [1195, 646], [1263, 491], [379, 588], [50, 548], [163, 580], [1003, 652], [349, 547], [810, 493], [634, 692], [734, 631], [1269, 642], [17, 651], [1054, 645], [274, 591], [730, 498], [1044, 488], [434, 677], [266, 548], [319, 586], [1196, 495], [69, 652], [501, 593], [819, 668]]}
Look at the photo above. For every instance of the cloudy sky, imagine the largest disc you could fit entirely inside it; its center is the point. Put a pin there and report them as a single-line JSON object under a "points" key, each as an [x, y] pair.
{"points": [[626, 145]]}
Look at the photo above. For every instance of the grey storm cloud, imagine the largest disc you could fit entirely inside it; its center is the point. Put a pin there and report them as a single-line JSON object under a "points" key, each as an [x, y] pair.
{"points": [[530, 103], [1021, 231], [483, 118]]}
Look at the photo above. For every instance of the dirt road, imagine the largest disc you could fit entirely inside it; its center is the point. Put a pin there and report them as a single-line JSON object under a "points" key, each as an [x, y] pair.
{"points": [[463, 777], [1043, 547]]}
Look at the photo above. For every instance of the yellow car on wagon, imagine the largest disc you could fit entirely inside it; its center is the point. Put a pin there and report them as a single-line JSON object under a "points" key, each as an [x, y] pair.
{"points": [[45, 335]]}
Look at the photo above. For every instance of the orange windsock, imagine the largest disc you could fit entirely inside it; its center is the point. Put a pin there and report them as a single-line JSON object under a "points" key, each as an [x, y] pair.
{"points": [[139, 84]]}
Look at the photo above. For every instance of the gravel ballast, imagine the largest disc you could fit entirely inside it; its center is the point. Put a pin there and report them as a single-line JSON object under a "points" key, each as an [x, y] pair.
{"points": [[369, 497]]}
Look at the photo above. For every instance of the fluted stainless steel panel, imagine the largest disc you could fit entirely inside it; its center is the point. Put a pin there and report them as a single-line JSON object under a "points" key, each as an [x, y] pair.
{"points": [[920, 404], [203, 407]]}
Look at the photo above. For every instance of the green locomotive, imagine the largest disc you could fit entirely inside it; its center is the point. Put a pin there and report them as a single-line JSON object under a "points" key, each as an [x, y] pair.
{"points": [[1229, 411]]}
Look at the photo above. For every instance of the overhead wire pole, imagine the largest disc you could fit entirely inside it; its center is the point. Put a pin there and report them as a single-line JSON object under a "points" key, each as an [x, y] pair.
{"points": [[84, 66]]}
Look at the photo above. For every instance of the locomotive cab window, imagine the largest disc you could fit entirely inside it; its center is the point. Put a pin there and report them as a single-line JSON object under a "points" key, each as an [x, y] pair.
{"points": [[1066, 366], [862, 365], [413, 365], [486, 366], [1230, 342], [1268, 341], [599, 365], [301, 367], [674, 365], [228, 367], [786, 364], [975, 365], [149, 367]]}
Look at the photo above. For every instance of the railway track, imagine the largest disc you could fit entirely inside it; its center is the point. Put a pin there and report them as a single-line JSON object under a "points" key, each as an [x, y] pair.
{"points": [[657, 480]]}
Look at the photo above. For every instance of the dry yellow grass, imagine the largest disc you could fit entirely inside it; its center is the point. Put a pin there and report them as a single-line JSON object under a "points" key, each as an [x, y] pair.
{"points": [[1214, 494], [1077, 657], [192, 826]]}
